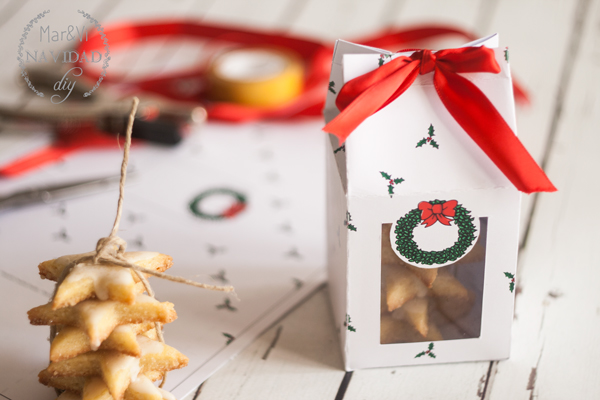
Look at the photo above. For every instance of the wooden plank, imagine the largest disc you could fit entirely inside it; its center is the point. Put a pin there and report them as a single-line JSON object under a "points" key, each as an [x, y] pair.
{"points": [[267, 14], [555, 351], [461, 13], [443, 381], [340, 19], [298, 358], [530, 48]]}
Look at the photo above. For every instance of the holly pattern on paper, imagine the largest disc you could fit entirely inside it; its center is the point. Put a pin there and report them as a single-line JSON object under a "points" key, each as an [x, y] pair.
{"points": [[347, 222], [229, 337], [429, 139], [382, 58], [226, 305], [391, 182], [511, 285], [341, 148], [347, 324], [428, 352], [332, 87]]}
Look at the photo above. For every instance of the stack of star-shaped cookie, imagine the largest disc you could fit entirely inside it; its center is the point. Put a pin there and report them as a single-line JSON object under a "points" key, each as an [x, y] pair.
{"points": [[417, 302], [106, 347]]}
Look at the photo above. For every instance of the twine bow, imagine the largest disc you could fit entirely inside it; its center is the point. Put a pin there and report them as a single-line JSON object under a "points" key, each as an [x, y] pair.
{"points": [[365, 95], [431, 213], [110, 250]]}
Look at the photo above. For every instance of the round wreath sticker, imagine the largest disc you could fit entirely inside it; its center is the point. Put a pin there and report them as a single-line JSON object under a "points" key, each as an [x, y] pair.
{"points": [[434, 234], [217, 204]]}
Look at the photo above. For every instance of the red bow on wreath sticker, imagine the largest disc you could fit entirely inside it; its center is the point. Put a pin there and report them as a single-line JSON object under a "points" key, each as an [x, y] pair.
{"points": [[431, 213]]}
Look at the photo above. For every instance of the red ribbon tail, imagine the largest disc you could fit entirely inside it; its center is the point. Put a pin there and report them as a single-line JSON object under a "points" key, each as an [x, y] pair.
{"points": [[484, 124]]}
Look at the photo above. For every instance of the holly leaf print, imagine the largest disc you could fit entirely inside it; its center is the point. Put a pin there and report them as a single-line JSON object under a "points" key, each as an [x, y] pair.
{"points": [[421, 142], [511, 286], [352, 227], [509, 275], [421, 354], [434, 144], [390, 190], [430, 130], [229, 337], [398, 180], [431, 355], [331, 87], [430, 347], [385, 175], [342, 147]]}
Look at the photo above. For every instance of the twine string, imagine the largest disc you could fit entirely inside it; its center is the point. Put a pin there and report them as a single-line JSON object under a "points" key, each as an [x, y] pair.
{"points": [[110, 250]]}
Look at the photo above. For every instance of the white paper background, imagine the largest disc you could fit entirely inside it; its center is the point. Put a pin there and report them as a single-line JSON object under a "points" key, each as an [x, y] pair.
{"points": [[273, 252]]}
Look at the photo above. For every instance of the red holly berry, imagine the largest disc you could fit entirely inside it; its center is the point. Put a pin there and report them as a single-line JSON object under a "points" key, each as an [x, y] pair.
{"points": [[391, 181], [428, 139], [513, 279]]}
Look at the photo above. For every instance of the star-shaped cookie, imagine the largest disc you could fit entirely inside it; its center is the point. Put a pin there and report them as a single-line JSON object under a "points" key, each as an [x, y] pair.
{"points": [[104, 282], [99, 318], [71, 341], [116, 369]]}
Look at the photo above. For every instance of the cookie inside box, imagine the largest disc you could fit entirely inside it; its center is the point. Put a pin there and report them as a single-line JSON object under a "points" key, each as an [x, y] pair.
{"points": [[431, 304]]}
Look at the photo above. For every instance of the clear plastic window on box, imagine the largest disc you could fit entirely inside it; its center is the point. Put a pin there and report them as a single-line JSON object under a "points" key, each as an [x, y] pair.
{"points": [[431, 304]]}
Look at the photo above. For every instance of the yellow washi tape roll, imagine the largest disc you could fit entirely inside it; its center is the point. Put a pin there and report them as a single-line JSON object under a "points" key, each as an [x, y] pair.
{"points": [[261, 77]]}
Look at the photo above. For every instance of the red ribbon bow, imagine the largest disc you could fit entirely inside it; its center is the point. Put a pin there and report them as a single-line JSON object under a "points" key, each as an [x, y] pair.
{"points": [[431, 213], [368, 93]]}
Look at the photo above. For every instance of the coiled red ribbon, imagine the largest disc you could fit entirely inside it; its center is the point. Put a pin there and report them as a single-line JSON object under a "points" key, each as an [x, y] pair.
{"points": [[366, 94], [316, 55]]}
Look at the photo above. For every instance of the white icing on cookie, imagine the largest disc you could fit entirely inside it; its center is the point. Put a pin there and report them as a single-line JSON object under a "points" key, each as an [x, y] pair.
{"points": [[149, 346], [115, 362], [93, 313], [103, 276], [143, 385], [166, 395], [144, 298]]}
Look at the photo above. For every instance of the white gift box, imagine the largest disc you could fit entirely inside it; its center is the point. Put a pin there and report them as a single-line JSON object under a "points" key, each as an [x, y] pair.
{"points": [[422, 225]]}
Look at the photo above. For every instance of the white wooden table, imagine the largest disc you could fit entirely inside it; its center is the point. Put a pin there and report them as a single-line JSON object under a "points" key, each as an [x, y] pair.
{"points": [[555, 51]]}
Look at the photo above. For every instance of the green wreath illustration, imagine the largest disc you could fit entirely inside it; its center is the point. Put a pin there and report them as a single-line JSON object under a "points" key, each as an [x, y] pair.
{"points": [[428, 213], [239, 205]]}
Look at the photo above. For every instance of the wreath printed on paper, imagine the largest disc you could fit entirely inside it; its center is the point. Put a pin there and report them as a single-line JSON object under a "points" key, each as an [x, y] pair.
{"points": [[239, 205], [428, 213]]}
